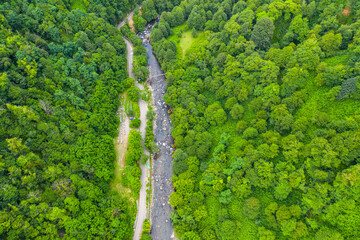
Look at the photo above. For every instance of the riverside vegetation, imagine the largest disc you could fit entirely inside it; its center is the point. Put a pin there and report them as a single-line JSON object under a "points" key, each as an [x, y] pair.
{"points": [[266, 116]]}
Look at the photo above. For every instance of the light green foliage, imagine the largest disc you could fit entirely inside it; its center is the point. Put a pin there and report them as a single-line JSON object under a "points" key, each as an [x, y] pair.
{"points": [[308, 54], [251, 208], [250, 132], [237, 111], [266, 234], [298, 30], [280, 56], [129, 82], [225, 197], [241, 126], [215, 115], [326, 233], [135, 123], [149, 137], [294, 79], [330, 42]]}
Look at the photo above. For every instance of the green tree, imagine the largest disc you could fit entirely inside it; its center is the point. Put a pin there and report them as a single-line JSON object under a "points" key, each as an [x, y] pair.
{"points": [[156, 35], [134, 148], [133, 93], [139, 23], [148, 10], [250, 132], [251, 208], [237, 111], [330, 43], [196, 19], [225, 197], [215, 114], [262, 33], [141, 73]]}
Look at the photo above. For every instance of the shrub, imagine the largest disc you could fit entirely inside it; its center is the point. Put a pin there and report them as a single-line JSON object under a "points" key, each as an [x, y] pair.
{"points": [[135, 123], [133, 93]]}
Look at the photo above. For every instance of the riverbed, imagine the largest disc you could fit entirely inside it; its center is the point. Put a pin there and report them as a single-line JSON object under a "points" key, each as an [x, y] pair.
{"points": [[161, 227]]}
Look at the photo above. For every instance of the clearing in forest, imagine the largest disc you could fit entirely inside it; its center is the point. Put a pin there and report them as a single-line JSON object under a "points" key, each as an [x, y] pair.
{"points": [[184, 39], [78, 4]]}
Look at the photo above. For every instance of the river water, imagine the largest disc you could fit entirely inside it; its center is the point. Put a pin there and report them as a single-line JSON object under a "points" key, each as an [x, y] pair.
{"points": [[161, 228]]}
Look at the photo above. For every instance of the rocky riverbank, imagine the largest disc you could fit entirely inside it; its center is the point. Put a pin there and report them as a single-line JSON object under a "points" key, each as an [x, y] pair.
{"points": [[162, 166]]}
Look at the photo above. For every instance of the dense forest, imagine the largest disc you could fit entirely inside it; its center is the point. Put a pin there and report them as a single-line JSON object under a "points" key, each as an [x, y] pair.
{"points": [[62, 65], [266, 117], [265, 102]]}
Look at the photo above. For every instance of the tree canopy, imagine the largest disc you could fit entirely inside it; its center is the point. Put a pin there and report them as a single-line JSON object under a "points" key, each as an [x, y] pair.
{"points": [[265, 112]]}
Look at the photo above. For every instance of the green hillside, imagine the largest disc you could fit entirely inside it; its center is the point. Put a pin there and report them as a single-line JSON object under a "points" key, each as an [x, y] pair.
{"points": [[266, 116]]}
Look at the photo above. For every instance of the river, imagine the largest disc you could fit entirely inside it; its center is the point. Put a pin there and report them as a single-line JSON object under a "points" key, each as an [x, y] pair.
{"points": [[162, 166]]}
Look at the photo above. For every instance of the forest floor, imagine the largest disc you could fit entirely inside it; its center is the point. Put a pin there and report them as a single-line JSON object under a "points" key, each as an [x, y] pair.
{"points": [[131, 23]]}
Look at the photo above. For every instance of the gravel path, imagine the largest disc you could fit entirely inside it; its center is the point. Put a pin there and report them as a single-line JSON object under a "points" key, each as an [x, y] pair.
{"points": [[145, 172], [142, 210], [161, 228]]}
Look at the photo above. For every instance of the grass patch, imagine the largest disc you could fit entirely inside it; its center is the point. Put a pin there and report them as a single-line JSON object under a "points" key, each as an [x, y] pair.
{"points": [[184, 40], [175, 38], [78, 4], [116, 183]]}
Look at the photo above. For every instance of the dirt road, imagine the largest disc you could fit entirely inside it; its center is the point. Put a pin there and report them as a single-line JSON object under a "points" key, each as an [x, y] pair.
{"points": [[145, 172], [128, 17]]}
